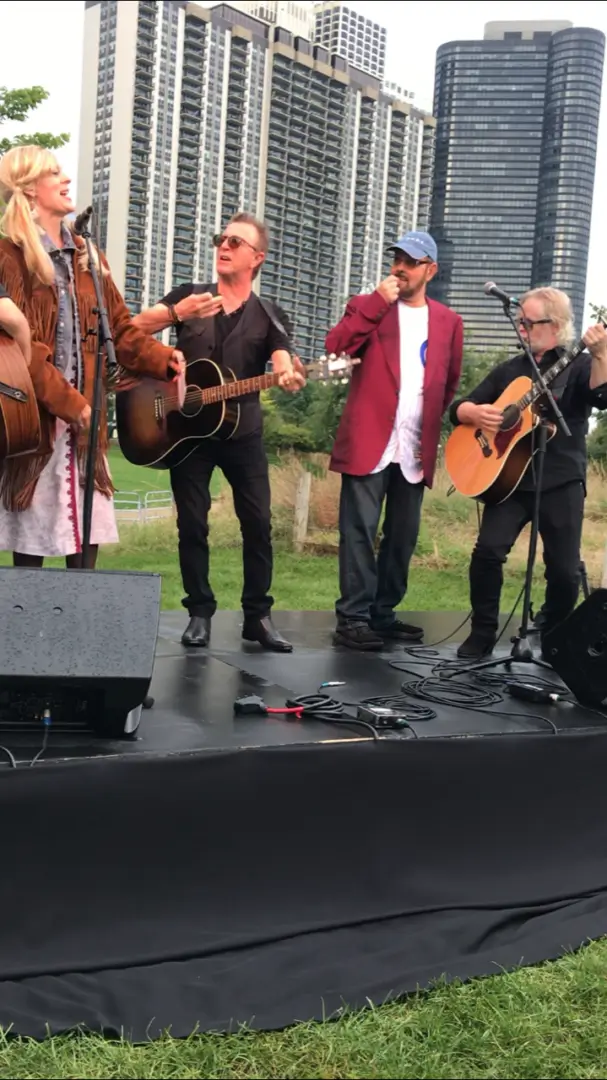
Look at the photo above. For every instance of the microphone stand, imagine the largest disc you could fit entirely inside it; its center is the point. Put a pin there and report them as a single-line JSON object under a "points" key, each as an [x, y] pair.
{"points": [[104, 340], [521, 650]]}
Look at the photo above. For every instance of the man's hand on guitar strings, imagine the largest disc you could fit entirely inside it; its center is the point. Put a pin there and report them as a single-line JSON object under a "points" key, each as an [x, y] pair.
{"points": [[300, 368], [486, 417], [292, 381], [290, 373], [177, 364]]}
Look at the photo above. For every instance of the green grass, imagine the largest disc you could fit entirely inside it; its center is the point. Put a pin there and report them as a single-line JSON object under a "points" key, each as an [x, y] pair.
{"points": [[545, 1022], [301, 582], [136, 479]]}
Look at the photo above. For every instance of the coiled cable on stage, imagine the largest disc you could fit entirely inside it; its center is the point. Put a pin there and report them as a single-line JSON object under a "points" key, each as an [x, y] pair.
{"points": [[406, 710], [459, 694], [327, 710], [462, 695]]}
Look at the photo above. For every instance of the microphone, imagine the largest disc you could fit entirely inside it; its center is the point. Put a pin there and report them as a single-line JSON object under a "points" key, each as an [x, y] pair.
{"points": [[491, 289], [81, 222]]}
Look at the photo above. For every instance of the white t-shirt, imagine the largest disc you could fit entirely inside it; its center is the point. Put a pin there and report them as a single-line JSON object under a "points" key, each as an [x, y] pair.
{"points": [[404, 445]]}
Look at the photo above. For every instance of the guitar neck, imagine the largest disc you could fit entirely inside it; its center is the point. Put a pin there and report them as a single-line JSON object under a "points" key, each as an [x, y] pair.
{"points": [[238, 389], [537, 390]]}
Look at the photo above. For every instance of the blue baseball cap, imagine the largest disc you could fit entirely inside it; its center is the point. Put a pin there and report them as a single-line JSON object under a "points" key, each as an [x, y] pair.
{"points": [[419, 245]]}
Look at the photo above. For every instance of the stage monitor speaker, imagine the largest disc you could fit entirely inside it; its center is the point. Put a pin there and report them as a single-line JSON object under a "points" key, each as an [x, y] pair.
{"points": [[79, 642], [577, 650]]}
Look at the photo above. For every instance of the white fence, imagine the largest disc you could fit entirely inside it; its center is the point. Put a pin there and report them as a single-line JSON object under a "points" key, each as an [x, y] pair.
{"points": [[143, 507]]}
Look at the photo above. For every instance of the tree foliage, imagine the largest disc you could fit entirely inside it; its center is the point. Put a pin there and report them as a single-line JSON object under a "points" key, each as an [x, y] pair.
{"points": [[599, 311], [307, 422], [16, 105], [597, 440]]}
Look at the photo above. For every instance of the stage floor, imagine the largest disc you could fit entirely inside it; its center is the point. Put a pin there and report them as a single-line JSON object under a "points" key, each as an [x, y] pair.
{"points": [[194, 691], [220, 871]]}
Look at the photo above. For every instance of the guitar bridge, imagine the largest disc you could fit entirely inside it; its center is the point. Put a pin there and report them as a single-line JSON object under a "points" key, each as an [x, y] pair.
{"points": [[483, 442], [159, 408]]}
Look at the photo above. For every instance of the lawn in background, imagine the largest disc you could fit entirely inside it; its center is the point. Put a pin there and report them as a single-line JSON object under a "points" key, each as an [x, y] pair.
{"points": [[134, 478]]}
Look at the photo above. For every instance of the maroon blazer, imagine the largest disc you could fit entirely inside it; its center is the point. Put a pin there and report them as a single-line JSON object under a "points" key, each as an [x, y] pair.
{"points": [[370, 330]]}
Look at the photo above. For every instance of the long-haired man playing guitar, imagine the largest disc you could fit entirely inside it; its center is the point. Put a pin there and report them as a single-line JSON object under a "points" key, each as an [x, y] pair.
{"points": [[546, 322]]}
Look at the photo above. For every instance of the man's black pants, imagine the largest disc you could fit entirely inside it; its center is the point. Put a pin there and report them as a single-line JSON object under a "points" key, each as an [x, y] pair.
{"points": [[371, 588], [561, 520], [245, 467]]}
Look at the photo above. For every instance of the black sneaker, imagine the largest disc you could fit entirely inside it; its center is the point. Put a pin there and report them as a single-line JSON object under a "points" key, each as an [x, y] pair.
{"points": [[358, 635], [476, 647], [399, 631]]}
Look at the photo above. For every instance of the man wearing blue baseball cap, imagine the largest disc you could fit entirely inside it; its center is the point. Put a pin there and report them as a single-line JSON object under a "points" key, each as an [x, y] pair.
{"points": [[386, 445]]}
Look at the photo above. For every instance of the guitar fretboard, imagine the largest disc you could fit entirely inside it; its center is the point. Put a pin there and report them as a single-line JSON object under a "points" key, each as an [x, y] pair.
{"points": [[537, 390], [237, 389]]}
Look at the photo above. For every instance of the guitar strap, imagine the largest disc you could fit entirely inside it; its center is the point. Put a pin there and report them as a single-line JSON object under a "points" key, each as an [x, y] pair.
{"points": [[270, 311]]}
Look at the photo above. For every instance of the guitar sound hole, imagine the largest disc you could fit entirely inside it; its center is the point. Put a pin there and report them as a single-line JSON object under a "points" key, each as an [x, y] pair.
{"points": [[192, 404], [511, 418]]}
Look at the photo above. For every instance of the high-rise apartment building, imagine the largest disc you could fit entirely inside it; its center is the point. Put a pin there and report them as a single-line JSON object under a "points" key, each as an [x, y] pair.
{"points": [[517, 123], [297, 18], [344, 32], [191, 114]]}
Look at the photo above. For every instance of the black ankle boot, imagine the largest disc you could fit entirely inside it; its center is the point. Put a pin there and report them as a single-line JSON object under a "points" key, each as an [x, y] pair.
{"points": [[476, 647], [264, 632], [197, 633]]}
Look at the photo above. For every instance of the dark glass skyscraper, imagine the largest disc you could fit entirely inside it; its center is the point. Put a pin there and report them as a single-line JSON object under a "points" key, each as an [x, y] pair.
{"points": [[517, 122]]}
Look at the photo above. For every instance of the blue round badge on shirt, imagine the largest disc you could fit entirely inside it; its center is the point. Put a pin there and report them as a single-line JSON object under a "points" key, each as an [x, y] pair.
{"points": [[422, 353]]}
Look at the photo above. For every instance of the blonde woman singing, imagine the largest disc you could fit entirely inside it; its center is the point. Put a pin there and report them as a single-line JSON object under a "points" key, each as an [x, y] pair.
{"points": [[44, 270]]}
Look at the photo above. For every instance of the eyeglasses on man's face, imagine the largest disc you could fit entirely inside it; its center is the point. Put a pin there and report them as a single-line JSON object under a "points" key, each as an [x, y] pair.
{"points": [[401, 258], [233, 242], [528, 324]]}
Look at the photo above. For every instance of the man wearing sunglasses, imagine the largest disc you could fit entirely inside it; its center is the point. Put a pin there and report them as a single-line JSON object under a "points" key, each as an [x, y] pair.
{"points": [[387, 441], [546, 323], [228, 323]]}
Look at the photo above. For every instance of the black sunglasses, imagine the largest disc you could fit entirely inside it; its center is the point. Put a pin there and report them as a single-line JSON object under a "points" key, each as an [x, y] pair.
{"points": [[233, 242], [408, 260], [533, 322]]}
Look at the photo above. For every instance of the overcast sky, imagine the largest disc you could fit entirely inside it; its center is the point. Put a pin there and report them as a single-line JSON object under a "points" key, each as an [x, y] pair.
{"points": [[43, 46]]}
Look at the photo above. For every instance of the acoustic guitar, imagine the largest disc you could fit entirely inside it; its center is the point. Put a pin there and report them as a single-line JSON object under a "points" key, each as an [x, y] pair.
{"points": [[19, 416], [489, 466], [161, 423]]}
